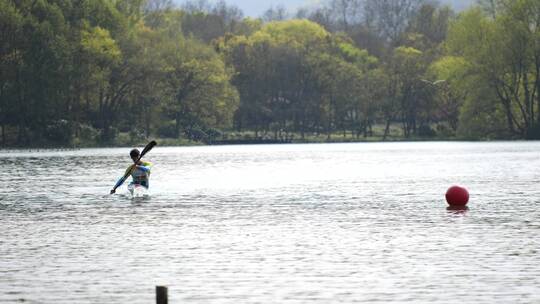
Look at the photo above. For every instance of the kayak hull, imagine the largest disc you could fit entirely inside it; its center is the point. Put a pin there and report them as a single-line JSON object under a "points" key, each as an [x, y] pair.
{"points": [[137, 190]]}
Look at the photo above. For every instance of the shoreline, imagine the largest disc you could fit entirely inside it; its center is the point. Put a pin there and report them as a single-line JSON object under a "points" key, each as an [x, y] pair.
{"points": [[167, 143]]}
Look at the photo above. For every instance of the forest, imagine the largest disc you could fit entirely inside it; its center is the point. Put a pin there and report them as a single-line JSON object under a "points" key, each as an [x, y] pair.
{"points": [[116, 72]]}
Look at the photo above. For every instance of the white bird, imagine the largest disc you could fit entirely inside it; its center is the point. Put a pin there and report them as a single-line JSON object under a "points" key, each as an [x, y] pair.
{"points": [[435, 82], [439, 81]]}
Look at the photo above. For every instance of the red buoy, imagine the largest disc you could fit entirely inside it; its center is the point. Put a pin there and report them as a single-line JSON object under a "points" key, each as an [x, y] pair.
{"points": [[457, 196]]}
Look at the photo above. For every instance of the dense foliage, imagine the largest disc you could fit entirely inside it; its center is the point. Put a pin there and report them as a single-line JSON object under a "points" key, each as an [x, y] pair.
{"points": [[92, 71]]}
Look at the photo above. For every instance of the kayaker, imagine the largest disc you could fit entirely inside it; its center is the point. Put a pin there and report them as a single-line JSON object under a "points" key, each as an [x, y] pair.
{"points": [[140, 172]]}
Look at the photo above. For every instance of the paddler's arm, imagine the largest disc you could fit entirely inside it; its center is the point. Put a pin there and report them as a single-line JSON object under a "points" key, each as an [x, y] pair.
{"points": [[118, 184], [122, 179]]}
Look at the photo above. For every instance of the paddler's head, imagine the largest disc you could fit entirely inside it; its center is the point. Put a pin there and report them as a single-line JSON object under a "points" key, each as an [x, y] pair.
{"points": [[134, 154]]}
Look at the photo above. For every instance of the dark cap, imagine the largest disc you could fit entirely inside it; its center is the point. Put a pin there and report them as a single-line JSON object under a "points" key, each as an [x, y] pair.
{"points": [[134, 153]]}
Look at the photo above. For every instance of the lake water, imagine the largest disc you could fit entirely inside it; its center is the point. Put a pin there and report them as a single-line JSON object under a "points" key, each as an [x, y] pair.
{"points": [[337, 223]]}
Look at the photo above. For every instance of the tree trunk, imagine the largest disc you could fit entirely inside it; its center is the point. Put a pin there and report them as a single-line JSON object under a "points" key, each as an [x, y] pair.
{"points": [[538, 94], [106, 135], [303, 126], [177, 121], [404, 126], [3, 124], [148, 118], [101, 120], [365, 129], [21, 135], [3, 134], [386, 130], [529, 119], [328, 128], [507, 109]]}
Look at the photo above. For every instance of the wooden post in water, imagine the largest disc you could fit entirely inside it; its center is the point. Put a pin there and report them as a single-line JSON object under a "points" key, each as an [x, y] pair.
{"points": [[161, 295]]}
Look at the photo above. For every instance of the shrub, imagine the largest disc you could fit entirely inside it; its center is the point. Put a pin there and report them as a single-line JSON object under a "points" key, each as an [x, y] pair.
{"points": [[87, 133], [426, 131], [167, 130], [196, 133], [108, 138], [213, 134], [59, 132], [136, 136]]}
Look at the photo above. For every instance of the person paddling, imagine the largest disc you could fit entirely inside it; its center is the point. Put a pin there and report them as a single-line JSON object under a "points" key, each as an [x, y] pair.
{"points": [[139, 171]]}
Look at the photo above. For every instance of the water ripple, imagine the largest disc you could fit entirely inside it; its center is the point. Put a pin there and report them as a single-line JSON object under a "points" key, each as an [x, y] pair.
{"points": [[356, 223]]}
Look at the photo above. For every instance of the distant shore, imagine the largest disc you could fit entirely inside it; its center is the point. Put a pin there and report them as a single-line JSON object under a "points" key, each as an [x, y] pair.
{"points": [[245, 140]]}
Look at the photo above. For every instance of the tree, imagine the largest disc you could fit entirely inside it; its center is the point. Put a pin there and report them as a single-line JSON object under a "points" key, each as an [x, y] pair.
{"points": [[208, 21], [295, 76], [390, 18], [198, 94], [10, 58], [409, 97], [346, 13], [453, 83], [431, 24], [278, 13], [505, 51]]}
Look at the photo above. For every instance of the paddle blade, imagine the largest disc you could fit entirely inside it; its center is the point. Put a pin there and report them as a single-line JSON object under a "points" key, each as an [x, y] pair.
{"points": [[148, 147]]}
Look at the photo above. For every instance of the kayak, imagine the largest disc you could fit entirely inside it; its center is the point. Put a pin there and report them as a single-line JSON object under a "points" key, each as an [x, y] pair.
{"points": [[138, 190]]}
